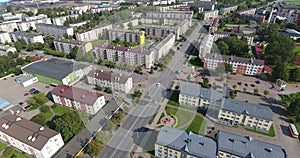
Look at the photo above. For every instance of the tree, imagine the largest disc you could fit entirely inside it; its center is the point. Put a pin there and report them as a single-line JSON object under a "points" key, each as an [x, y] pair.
{"points": [[101, 61], [232, 94], [295, 75], [266, 92], [280, 71], [94, 147], [39, 119], [8, 8], [98, 88], [205, 80], [73, 53], [255, 91], [137, 94], [228, 67], [235, 87], [130, 25], [108, 90], [294, 110], [223, 47], [236, 46], [244, 90]]}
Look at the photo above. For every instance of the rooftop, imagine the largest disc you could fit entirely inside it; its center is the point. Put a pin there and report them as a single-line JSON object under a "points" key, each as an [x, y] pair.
{"points": [[52, 26], [245, 146], [234, 59], [124, 49], [5, 47], [54, 68], [25, 34], [233, 33], [78, 94], [109, 76], [24, 78], [194, 144], [4, 104], [69, 41], [21, 129], [242, 107]]}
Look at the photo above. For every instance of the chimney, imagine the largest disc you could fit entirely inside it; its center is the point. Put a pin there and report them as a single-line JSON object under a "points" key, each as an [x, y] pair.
{"points": [[101, 70], [18, 119]]}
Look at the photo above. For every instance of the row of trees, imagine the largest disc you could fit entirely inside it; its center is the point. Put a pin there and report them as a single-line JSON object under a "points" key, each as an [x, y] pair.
{"points": [[9, 63], [234, 46]]}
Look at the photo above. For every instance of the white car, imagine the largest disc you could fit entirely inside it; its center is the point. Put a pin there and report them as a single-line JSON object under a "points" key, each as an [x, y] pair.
{"points": [[157, 84]]}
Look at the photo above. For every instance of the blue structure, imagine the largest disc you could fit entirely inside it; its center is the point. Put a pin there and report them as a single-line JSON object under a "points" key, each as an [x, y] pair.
{"points": [[4, 2], [103, 5], [4, 104]]}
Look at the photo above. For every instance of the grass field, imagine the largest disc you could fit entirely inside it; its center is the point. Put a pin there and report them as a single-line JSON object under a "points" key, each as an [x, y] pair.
{"points": [[161, 116], [174, 99], [12, 152], [292, 2], [196, 62], [2, 146], [271, 131], [297, 49], [183, 117], [99, 41], [197, 126], [60, 110]]}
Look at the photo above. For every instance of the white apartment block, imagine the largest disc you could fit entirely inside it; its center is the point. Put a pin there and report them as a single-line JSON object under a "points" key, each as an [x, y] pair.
{"points": [[229, 9], [206, 45], [28, 37], [162, 48], [235, 112], [4, 37], [211, 14], [170, 15], [125, 55], [239, 65], [4, 49], [29, 137], [78, 99], [32, 21], [92, 34], [66, 45], [54, 30], [9, 16], [132, 36], [117, 82], [221, 35], [8, 27], [61, 20], [126, 23]]}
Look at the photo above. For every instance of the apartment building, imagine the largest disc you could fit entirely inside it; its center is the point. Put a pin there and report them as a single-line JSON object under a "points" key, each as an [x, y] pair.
{"points": [[29, 137], [4, 49], [28, 37], [117, 82], [30, 22], [78, 99], [162, 2], [127, 36], [206, 45], [61, 20], [8, 27], [170, 14], [207, 5], [239, 65], [289, 12], [235, 112], [4, 37], [54, 30], [125, 55], [228, 10], [126, 24], [10, 17], [92, 34], [234, 146], [248, 11], [254, 17], [162, 48], [66, 45], [196, 96], [222, 35], [175, 143], [211, 14]]}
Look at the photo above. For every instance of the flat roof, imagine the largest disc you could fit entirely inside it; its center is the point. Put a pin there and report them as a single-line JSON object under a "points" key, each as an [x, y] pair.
{"points": [[4, 104], [25, 34], [24, 78], [62, 40]]}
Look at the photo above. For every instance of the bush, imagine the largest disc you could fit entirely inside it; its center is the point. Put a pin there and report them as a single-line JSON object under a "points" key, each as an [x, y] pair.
{"points": [[55, 53], [45, 109], [39, 119], [7, 151]]}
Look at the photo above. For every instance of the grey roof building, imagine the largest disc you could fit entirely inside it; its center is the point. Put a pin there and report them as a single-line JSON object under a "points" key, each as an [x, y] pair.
{"points": [[245, 146], [188, 143]]}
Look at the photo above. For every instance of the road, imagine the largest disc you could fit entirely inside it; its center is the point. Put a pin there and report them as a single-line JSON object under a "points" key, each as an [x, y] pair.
{"points": [[132, 129]]}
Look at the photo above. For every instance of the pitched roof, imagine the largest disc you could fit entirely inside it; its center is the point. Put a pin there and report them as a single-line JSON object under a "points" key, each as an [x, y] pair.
{"points": [[228, 58], [245, 146], [109, 76], [255, 110], [21, 129], [194, 144], [54, 68], [78, 94], [124, 49], [25, 34]]}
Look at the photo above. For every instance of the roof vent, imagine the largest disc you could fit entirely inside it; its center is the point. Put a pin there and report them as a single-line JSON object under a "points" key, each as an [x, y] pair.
{"points": [[3, 125], [62, 90], [42, 128], [201, 143], [268, 149], [82, 96], [18, 119], [188, 141], [33, 139], [101, 70], [29, 138], [231, 139]]}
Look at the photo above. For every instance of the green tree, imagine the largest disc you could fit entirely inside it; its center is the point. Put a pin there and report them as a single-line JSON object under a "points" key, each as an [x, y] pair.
{"points": [[223, 47], [238, 47], [228, 67], [73, 53], [94, 147], [244, 90], [266, 92], [295, 75], [235, 87], [137, 94], [232, 94], [256, 91], [294, 110], [39, 119], [8, 8], [280, 71], [108, 90]]}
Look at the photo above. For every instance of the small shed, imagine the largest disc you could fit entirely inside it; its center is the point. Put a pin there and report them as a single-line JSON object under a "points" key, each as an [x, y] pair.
{"points": [[26, 80]]}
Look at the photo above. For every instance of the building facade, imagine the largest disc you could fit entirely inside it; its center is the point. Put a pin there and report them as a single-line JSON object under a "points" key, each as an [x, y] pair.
{"points": [[78, 99], [29, 137], [4, 49], [162, 48], [61, 20], [117, 82], [127, 36], [170, 15], [211, 14], [125, 55], [4, 37], [222, 35], [92, 34], [239, 65], [54, 30], [8, 27], [30, 22], [28, 37], [206, 45], [66, 45]]}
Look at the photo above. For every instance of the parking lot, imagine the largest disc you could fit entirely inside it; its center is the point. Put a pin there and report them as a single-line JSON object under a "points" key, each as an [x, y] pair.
{"points": [[14, 93]]}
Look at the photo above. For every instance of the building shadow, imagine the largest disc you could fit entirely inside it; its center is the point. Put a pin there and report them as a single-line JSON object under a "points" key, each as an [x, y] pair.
{"points": [[145, 138], [285, 130], [277, 109]]}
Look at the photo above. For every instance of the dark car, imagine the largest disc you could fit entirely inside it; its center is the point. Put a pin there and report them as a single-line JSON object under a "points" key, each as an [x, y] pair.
{"points": [[252, 85], [239, 83], [34, 91], [257, 82], [246, 84]]}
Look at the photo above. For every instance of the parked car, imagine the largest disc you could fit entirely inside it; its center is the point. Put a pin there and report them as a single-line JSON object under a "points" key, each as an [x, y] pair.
{"points": [[26, 94], [257, 82], [252, 85], [34, 91], [246, 84], [239, 83]]}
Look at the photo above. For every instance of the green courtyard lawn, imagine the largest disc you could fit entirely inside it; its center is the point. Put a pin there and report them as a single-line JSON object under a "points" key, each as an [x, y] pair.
{"points": [[60, 110], [161, 116], [2, 146], [11, 152], [271, 131], [297, 48], [196, 62], [98, 41], [292, 2], [197, 126], [171, 110], [182, 116], [174, 98]]}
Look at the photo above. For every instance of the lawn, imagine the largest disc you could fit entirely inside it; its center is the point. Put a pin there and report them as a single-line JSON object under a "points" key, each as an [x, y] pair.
{"points": [[271, 131], [60, 110], [99, 41], [171, 111], [10, 152], [297, 49], [2, 146], [183, 117], [174, 98], [293, 2], [197, 125], [161, 116], [196, 62]]}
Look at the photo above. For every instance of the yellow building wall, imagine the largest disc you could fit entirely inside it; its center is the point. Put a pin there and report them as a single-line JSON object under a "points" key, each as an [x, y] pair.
{"points": [[142, 38]]}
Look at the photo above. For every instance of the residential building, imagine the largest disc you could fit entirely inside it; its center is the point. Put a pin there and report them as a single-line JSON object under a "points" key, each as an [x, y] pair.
{"points": [[171, 7], [117, 82], [126, 24], [162, 48], [206, 5], [26, 80], [125, 55], [235, 112], [10, 17], [291, 33], [4, 37], [211, 14], [231, 145], [162, 21], [66, 45], [206, 45], [4, 49], [254, 17], [228, 10], [196, 96], [172, 143], [290, 13], [28, 37], [170, 14], [239, 65], [248, 11], [92, 34], [30, 22], [57, 71], [54, 30], [162, 2], [30, 137], [78, 99], [8, 27], [61, 20], [222, 35], [127, 36]]}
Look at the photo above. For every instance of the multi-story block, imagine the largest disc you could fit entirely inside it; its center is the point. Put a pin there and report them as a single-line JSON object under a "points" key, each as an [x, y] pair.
{"points": [[118, 82], [228, 10], [290, 13], [92, 34], [236, 146], [61, 20], [247, 17], [162, 48], [10, 17], [127, 36], [4, 37], [30, 22], [249, 115], [8, 27], [4, 49], [170, 15], [211, 14], [126, 55], [239, 65], [222, 35], [175, 143], [54, 30], [78, 99], [66, 45], [29, 137], [28, 37], [206, 45], [162, 2]]}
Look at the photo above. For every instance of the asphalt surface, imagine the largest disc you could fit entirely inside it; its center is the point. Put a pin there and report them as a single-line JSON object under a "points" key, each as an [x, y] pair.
{"points": [[132, 131]]}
